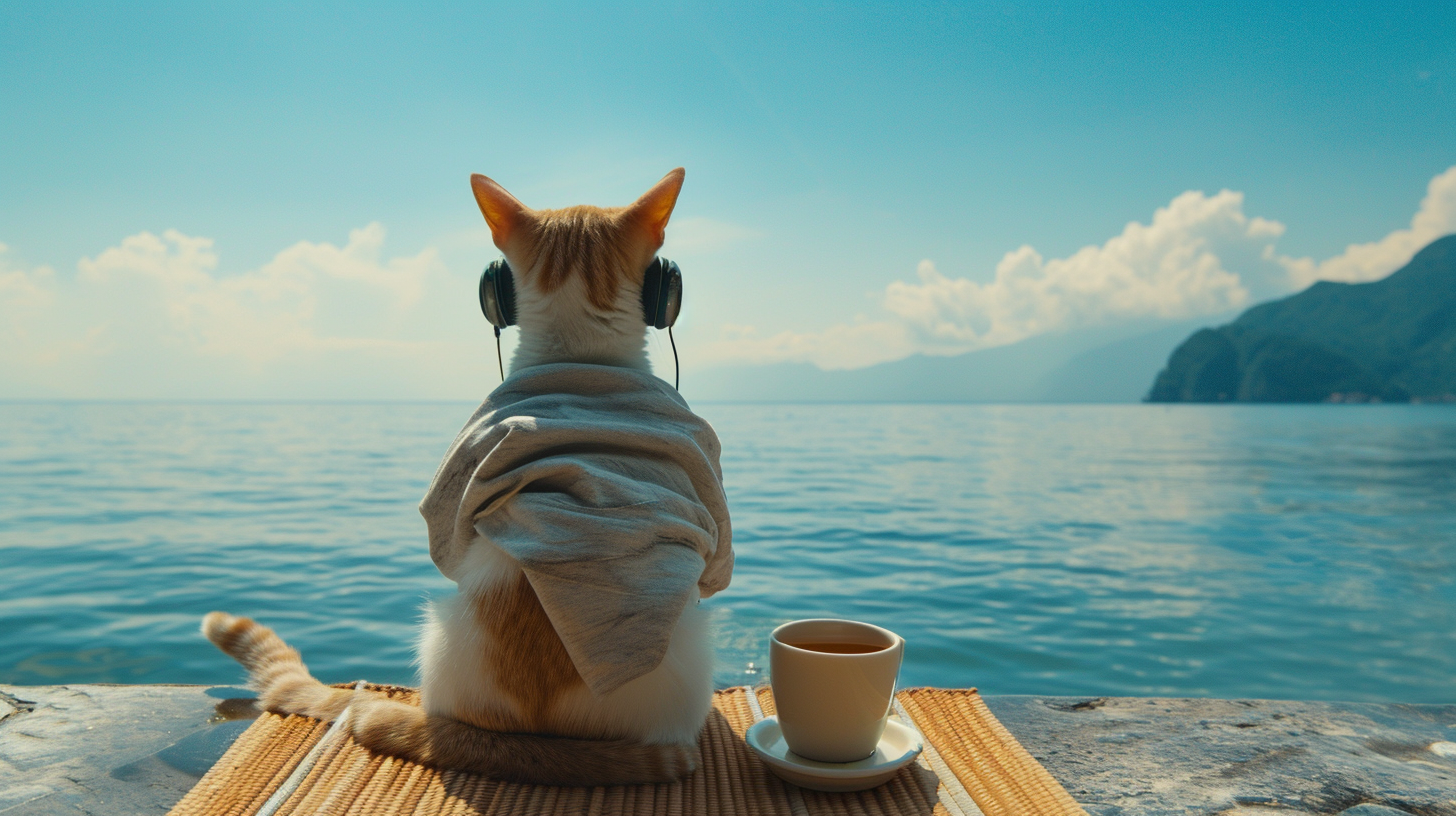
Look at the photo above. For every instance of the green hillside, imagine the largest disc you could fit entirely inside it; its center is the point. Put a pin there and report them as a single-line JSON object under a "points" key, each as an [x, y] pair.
{"points": [[1393, 340]]}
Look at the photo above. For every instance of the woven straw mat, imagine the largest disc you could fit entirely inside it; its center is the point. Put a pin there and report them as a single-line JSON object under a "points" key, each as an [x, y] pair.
{"points": [[971, 766]]}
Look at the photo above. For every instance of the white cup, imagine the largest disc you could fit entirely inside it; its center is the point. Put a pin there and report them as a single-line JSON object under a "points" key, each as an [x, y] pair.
{"points": [[833, 682]]}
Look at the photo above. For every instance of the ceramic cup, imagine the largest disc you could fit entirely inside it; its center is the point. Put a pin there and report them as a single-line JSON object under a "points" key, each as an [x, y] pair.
{"points": [[833, 682]]}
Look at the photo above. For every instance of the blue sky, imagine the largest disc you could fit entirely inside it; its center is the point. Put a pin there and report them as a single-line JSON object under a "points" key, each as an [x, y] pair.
{"points": [[268, 201]]}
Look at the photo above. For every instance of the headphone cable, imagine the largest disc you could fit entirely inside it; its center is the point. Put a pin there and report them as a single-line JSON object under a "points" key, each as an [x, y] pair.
{"points": [[676, 370], [498, 354]]}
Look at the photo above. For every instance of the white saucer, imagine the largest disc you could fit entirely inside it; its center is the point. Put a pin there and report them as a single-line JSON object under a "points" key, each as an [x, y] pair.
{"points": [[898, 747]]}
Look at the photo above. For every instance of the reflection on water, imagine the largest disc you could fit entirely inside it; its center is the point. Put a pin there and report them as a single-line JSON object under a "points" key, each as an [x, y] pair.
{"points": [[1274, 551], [1264, 551], [99, 665]]}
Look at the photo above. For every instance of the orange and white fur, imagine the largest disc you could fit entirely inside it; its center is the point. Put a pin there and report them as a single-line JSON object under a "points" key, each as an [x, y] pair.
{"points": [[499, 694]]}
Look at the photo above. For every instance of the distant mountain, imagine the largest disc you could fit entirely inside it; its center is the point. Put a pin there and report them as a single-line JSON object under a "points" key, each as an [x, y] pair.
{"points": [[1109, 364], [1391, 340]]}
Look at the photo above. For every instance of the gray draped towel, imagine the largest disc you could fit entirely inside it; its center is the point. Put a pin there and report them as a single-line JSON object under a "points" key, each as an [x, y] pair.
{"points": [[606, 489]]}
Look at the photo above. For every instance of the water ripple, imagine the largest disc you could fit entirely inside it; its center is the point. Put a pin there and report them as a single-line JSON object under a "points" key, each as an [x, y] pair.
{"points": [[1235, 551]]}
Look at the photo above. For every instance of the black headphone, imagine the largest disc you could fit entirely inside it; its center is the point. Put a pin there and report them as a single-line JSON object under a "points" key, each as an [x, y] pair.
{"points": [[661, 294], [661, 298]]}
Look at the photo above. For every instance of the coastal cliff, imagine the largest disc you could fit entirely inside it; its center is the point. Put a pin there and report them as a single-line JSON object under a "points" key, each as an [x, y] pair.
{"points": [[1391, 340]]}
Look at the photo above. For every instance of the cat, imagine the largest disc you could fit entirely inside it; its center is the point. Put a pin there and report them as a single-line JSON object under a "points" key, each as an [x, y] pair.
{"points": [[499, 694]]}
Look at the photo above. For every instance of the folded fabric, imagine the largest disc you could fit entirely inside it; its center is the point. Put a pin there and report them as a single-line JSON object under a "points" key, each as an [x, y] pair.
{"points": [[606, 489]]}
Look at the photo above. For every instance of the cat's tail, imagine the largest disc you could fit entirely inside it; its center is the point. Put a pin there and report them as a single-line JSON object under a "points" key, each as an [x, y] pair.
{"points": [[275, 669], [397, 729]]}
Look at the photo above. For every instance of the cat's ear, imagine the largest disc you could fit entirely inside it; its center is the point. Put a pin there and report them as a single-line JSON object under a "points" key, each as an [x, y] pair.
{"points": [[652, 210], [501, 209]]}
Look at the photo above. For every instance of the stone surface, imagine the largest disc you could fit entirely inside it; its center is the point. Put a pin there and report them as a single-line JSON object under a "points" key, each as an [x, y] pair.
{"points": [[121, 750], [113, 750], [1121, 756]]}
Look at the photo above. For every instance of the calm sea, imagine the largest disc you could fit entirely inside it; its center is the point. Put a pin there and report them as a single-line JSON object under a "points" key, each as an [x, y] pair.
{"points": [[1231, 551]]}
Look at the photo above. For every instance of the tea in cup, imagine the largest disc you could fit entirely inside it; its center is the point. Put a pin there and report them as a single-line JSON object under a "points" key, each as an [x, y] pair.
{"points": [[833, 684]]}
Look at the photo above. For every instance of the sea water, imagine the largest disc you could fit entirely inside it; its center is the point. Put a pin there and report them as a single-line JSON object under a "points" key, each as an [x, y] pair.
{"points": [[1230, 551]]}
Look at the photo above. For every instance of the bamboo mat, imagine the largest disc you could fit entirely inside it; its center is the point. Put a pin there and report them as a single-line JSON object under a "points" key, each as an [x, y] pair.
{"points": [[971, 767]]}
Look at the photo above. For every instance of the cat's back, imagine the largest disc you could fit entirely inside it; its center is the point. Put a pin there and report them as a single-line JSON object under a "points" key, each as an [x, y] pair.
{"points": [[490, 656]]}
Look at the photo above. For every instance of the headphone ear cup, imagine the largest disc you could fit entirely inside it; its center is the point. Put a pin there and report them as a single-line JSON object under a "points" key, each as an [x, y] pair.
{"points": [[661, 293], [671, 295], [498, 294]]}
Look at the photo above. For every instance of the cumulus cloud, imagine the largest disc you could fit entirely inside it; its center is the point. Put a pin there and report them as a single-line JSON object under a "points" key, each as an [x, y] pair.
{"points": [[1366, 262], [1199, 255], [32, 334], [157, 312], [161, 315], [1172, 267], [268, 312], [22, 288]]}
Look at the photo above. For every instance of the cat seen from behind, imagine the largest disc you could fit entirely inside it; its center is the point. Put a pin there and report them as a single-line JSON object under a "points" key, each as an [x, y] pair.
{"points": [[581, 515]]}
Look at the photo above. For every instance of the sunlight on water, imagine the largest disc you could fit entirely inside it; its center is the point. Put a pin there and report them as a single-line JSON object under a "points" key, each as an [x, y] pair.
{"points": [[1232, 551]]}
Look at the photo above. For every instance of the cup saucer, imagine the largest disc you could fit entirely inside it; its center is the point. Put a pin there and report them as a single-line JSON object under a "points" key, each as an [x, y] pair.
{"points": [[898, 747]]}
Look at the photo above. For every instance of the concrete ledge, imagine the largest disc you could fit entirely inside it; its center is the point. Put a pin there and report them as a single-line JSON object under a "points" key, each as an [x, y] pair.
{"points": [[112, 750], [120, 750], [1130, 755]]}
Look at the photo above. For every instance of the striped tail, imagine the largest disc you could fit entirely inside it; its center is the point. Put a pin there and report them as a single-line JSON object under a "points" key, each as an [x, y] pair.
{"points": [[397, 729]]}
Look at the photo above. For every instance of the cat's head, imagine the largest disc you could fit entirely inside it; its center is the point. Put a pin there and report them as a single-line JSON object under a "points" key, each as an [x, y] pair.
{"points": [[578, 272]]}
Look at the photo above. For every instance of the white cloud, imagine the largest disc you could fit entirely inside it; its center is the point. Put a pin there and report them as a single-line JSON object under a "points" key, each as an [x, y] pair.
{"points": [[269, 312], [1200, 255], [22, 289], [27, 298], [1366, 262], [156, 315], [1173, 267], [160, 315], [1178, 265]]}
